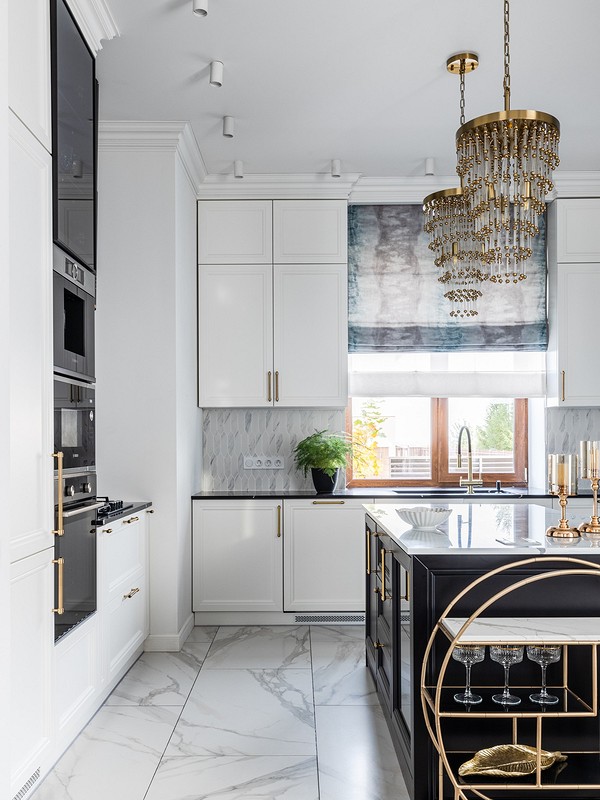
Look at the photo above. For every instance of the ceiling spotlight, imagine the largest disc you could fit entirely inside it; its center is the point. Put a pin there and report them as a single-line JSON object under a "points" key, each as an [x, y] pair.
{"points": [[216, 73], [429, 166], [238, 169], [228, 127], [336, 168], [200, 7]]}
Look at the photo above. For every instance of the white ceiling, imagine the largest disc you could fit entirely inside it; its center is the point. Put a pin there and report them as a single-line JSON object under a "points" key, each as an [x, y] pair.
{"points": [[364, 82]]}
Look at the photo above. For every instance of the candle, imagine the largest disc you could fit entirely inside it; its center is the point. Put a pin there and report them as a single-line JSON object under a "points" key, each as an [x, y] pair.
{"points": [[561, 474]]}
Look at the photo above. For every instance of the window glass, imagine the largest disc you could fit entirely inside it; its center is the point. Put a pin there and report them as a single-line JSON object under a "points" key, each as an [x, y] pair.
{"points": [[491, 424]]}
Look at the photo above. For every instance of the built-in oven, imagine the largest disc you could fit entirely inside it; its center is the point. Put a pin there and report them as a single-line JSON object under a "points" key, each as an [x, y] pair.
{"points": [[75, 423], [75, 549], [74, 310]]}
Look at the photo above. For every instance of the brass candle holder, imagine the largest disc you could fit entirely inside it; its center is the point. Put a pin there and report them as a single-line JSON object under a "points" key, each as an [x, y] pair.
{"points": [[562, 481], [589, 464]]}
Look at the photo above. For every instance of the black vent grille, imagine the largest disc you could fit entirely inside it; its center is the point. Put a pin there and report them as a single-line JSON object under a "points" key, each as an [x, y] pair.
{"points": [[315, 619]]}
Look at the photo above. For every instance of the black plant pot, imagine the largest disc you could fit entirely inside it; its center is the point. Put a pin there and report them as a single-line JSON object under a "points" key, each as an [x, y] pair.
{"points": [[324, 483]]}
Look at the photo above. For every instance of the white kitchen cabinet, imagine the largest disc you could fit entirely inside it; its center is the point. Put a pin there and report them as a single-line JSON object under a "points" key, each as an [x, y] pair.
{"points": [[578, 230], [235, 231], [310, 231], [29, 67], [123, 595], [31, 503], [324, 555], [77, 679], [31, 644], [237, 547]]}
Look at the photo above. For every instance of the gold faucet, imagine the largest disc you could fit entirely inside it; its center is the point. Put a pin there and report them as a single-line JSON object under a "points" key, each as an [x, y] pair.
{"points": [[469, 481]]}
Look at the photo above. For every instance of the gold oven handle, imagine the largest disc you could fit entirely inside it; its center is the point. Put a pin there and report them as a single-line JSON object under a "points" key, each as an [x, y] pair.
{"points": [[60, 609], [60, 525]]}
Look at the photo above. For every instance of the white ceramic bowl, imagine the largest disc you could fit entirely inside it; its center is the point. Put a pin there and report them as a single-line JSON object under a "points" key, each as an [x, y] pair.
{"points": [[423, 517]]}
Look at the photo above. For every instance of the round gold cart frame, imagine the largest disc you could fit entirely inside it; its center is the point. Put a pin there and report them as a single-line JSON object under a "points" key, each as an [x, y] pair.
{"points": [[432, 705]]}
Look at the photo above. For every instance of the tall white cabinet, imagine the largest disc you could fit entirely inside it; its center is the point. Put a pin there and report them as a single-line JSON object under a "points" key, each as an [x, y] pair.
{"points": [[574, 289], [272, 284]]}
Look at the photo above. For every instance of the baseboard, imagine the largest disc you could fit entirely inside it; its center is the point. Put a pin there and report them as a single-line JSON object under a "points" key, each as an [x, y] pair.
{"points": [[169, 643]]}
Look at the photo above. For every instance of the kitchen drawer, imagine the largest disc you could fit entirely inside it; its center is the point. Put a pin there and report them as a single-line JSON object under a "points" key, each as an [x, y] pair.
{"points": [[125, 623], [123, 548]]}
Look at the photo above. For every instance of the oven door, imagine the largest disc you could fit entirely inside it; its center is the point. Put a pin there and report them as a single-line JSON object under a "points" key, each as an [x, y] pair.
{"points": [[75, 587], [74, 312], [75, 423]]}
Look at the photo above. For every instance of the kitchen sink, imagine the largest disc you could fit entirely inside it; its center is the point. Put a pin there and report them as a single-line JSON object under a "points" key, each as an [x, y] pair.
{"points": [[430, 491]]}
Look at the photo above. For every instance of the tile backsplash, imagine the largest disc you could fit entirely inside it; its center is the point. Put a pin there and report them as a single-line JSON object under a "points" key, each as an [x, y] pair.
{"points": [[566, 427], [229, 434]]}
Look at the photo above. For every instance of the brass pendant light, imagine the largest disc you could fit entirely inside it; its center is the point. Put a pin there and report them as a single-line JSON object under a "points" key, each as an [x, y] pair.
{"points": [[451, 229], [505, 162]]}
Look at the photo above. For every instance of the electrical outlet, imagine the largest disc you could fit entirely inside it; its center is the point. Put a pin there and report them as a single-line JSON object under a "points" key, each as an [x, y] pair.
{"points": [[263, 462]]}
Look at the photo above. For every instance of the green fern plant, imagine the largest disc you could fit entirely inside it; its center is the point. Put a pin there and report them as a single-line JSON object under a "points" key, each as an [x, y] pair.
{"points": [[322, 450]]}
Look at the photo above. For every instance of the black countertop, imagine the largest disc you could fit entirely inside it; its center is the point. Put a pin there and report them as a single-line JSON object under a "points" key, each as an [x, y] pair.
{"points": [[136, 505], [408, 493]]}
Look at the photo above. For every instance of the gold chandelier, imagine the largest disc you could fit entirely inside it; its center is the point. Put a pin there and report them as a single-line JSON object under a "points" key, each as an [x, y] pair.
{"points": [[451, 229], [505, 162]]}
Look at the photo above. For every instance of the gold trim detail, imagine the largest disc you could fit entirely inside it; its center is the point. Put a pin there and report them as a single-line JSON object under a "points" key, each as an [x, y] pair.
{"points": [[508, 116]]}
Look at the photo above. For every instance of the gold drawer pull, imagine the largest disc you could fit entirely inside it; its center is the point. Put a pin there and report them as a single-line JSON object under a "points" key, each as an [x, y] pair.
{"points": [[276, 386], [378, 645], [130, 520], [269, 395], [60, 563], [108, 530], [149, 511], [131, 593]]}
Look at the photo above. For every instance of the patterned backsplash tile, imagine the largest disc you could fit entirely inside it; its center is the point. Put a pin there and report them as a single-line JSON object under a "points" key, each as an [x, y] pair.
{"points": [[229, 434], [567, 427]]}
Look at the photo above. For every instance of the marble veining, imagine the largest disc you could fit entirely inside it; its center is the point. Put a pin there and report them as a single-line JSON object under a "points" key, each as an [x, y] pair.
{"points": [[157, 679], [338, 660], [549, 630], [259, 647]]}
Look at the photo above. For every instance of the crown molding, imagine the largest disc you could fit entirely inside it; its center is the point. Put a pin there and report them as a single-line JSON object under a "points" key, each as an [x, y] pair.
{"points": [[176, 137], [95, 20], [277, 186], [576, 184], [377, 191]]}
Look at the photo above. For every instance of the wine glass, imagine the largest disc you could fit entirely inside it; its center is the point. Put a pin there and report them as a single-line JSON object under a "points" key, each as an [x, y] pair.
{"points": [[468, 655], [544, 655], [507, 655]]}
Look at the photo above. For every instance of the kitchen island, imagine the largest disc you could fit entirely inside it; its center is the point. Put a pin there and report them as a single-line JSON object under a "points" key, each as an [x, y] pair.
{"points": [[412, 576]]}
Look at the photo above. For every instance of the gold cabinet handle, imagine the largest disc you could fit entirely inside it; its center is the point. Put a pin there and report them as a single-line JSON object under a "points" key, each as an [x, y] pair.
{"points": [[269, 376], [279, 522], [328, 502], [368, 551], [108, 530], [130, 594], [60, 563], [407, 595], [563, 385], [384, 596], [276, 386], [378, 645], [60, 524], [130, 520], [149, 511]]}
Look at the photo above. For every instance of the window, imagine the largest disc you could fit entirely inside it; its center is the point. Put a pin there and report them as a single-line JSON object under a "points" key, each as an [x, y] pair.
{"points": [[414, 440]]}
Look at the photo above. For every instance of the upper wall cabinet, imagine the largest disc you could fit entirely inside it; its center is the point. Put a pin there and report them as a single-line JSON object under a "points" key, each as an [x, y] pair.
{"points": [[29, 66], [235, 232], [310, 231], [578, 230]]}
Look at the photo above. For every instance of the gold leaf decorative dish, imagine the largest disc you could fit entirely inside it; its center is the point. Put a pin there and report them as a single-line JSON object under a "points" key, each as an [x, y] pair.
{"points": [[508, 760]]}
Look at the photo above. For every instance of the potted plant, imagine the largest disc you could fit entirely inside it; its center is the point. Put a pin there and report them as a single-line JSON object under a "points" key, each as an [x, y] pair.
{"points": [[324, 454]]}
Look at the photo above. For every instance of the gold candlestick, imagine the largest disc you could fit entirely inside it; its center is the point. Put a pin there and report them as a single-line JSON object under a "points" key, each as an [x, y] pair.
{"points": [[590, 469], [562, 481]]}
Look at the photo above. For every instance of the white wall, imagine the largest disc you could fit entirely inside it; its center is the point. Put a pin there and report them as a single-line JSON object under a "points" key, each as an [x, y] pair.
{"points": [[147, 420]]}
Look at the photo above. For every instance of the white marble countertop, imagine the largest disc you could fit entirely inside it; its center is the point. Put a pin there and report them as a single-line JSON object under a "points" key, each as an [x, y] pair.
{"points": [[482, 528], [546, 630]]}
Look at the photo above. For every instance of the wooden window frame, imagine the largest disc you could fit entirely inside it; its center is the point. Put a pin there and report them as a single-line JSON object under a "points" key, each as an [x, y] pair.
{"points": [[440, 476]]}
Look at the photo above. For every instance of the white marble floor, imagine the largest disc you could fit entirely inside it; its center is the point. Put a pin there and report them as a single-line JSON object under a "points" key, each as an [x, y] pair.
{"points": [[272, 713]]}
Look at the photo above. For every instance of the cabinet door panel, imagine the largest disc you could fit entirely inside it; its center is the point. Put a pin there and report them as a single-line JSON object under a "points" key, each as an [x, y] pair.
{"points": [[236, 556], [310, 231], [125, 624], [235, 232], [235, 335], [311, 334], [578, 232], [324, 556]]}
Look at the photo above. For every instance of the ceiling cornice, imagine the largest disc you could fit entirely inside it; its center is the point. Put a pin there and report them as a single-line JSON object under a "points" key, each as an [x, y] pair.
{"points": [[277, 186], [398, 190], [576, 184], [95, 20], [176, 137]]}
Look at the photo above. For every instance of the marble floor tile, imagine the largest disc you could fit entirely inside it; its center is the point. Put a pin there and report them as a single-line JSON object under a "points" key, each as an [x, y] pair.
{"points": [[236, 778], [157, 679], [247, 712], [339, 667], [196, 651], [260, 647], [113, 758], [202, 633], [356, 755]]}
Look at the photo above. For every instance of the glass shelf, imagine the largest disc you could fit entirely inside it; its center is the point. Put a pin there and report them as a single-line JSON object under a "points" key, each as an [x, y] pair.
{"points": [[569, 704]]}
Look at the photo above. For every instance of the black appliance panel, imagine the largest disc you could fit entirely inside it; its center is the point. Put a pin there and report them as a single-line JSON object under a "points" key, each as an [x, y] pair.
{"points": [[75, 424], [74, 133], [74, 309]]}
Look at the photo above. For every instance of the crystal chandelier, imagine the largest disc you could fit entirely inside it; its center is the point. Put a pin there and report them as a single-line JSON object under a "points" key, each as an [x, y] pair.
{"points": [[505, 162], [451, 229]]}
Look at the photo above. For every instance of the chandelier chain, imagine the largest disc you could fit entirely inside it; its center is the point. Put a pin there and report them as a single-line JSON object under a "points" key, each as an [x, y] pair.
{"points": [[462, 91], [506, 83]]}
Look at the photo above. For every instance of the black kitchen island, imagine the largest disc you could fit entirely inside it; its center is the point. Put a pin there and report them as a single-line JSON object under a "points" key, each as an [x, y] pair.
{"points": [[413, 575]]}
